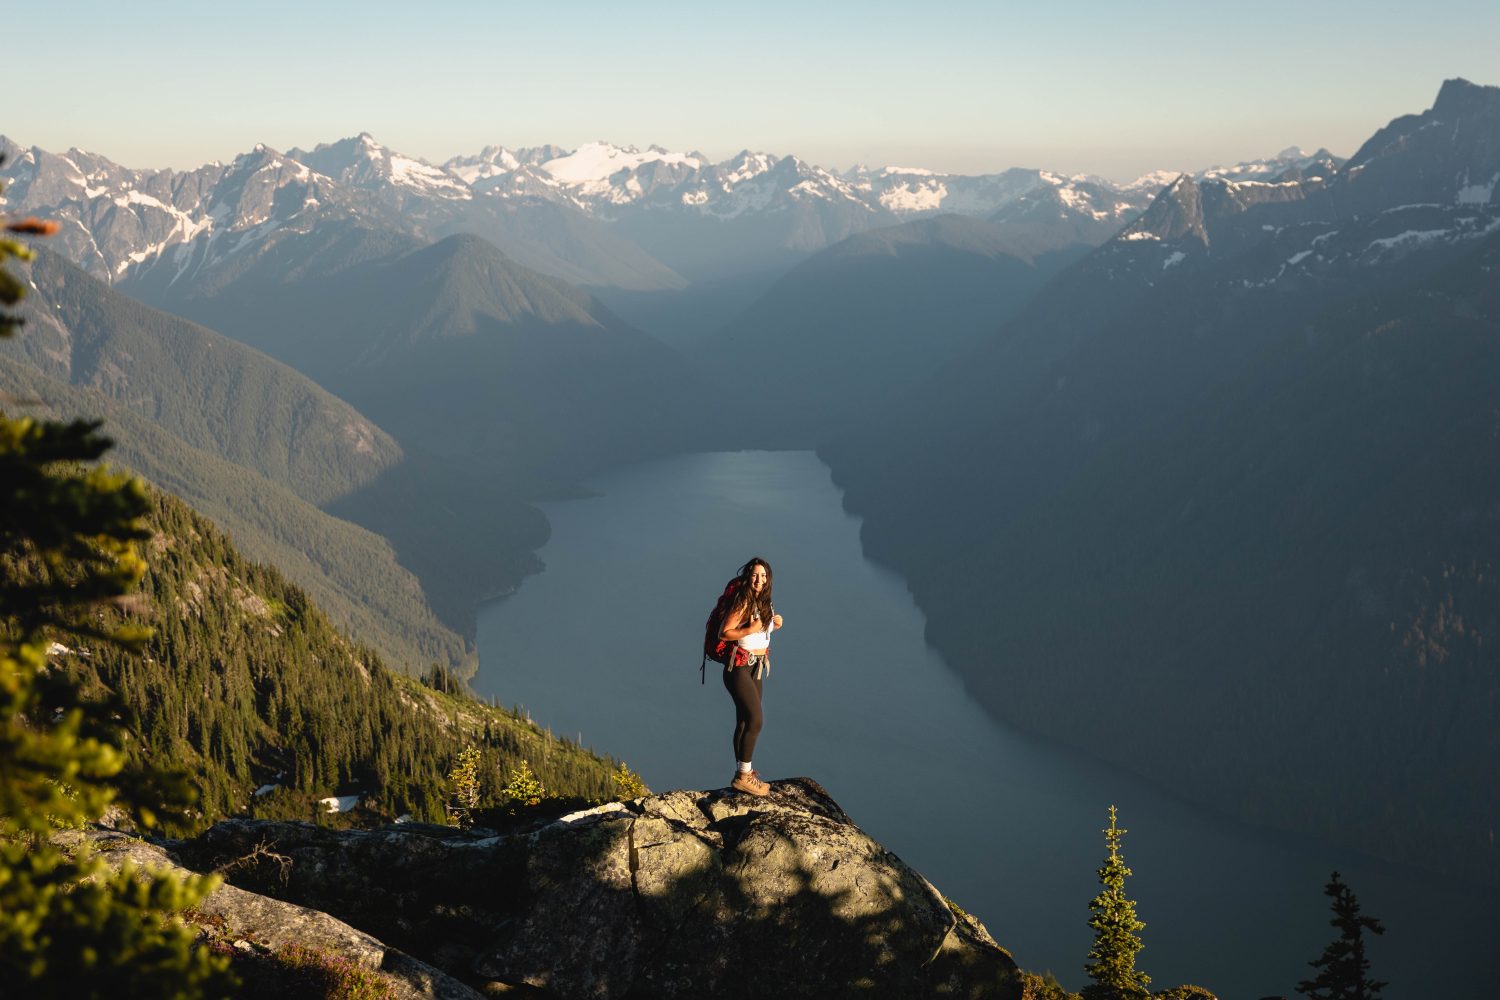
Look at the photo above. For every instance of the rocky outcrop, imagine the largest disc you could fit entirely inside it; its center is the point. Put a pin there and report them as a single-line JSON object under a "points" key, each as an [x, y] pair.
{"points": [[684, 894], [254, 922]]}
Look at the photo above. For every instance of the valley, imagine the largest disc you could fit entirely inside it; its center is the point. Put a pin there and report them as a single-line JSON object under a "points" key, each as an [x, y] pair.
{"points": [[1193, 475]]}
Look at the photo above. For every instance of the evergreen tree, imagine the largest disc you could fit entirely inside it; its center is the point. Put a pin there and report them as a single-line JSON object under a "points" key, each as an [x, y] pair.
{"points": [[68, 926], [1342, 966], [464, 787], [1111, 963], [523, 789]]}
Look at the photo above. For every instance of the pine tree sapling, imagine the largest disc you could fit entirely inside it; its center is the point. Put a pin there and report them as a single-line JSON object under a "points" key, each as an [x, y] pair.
{"points": [[463, 782], [1343, 965], [524, 789], [628, 784], [1111, 965]]}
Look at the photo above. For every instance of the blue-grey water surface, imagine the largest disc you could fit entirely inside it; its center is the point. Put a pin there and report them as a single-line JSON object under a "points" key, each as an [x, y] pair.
{"points": [[606, 643]]}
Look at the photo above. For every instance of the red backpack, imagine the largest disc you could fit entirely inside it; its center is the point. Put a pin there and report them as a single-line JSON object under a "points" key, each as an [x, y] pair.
{"points": [[714, 648]]}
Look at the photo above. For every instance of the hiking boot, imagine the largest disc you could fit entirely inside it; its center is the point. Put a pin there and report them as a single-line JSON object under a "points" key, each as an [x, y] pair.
{"points": [[750, 784]]}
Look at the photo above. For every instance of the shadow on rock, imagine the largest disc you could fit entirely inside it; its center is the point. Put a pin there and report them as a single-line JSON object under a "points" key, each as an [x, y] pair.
{"points": [[684, 894]]}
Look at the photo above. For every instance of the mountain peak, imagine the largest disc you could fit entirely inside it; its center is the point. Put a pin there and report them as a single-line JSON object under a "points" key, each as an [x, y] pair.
{"points": [[259, 155], [363, 144], [460, 245], [1154, 181], [1176, 213], [1411, 161], [1458, 97], [361, 161]]}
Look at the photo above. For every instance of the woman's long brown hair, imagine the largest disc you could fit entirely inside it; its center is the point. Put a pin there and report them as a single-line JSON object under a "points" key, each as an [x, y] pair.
{"points": [[748, 601]]}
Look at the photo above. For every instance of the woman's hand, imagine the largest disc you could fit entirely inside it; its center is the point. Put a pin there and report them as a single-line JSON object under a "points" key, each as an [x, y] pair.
{"points": [[775, 621], [738, 632]]}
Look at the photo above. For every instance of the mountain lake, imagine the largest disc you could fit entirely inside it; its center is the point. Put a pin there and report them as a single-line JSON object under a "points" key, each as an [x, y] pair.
{"points": [[604, 645]]}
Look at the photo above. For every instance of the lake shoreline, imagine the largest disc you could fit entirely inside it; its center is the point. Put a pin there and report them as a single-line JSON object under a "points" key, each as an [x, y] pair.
{"points": [[1017, 842]]}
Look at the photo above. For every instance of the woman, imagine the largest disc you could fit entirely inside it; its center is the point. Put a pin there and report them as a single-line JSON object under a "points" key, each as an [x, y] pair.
{"points": [[749, 624]]}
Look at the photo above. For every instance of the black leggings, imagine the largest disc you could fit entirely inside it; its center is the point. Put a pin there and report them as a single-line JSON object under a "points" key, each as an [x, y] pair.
{"points": [[745, 688]]}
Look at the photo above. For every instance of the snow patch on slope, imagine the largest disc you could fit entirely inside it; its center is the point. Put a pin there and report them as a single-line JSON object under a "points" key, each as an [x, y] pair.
{"points": [[598, 161], [1411, 236], [1477, 194], [914, 197]]}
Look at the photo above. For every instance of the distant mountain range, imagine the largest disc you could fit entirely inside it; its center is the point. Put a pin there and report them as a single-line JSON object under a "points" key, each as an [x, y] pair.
{"points": [[671, 242], [1220, 502], [600, 215]]}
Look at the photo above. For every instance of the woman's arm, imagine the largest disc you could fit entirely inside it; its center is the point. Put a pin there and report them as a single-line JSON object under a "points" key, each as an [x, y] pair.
{"points": [[737, 614]]}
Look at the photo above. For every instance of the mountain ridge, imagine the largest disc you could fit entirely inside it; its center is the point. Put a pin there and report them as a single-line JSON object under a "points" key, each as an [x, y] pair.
{"points": [[242, 437], [241, 405], [1182, 506], [124, 222], [871, 316]]}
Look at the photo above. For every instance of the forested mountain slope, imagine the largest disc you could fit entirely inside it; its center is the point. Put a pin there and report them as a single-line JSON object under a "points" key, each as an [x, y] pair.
{"points": [[457, 350], [246, 683], [501, 385], [349, 570], [211, 392], [1221, 503], [244, 438]]}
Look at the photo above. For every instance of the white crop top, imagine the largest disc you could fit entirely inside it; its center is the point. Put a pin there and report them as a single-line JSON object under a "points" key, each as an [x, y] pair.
{"points": [[755, 642]]}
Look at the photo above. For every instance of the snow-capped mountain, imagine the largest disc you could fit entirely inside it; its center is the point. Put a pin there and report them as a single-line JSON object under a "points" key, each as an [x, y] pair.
{"points": [[178, 228], [608, 180], [116, 220], [601, 214], [757, 210], [1426, 182], [497, 161], [1292, 163], [363, 163], [909, 191]]}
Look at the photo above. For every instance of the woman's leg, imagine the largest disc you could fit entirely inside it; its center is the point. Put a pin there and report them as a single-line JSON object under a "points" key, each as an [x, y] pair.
{"points": [[746, 692]]}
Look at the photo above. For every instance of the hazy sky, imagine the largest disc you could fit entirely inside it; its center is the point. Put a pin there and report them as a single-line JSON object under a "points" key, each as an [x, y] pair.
{"points": [[1114, 88]]}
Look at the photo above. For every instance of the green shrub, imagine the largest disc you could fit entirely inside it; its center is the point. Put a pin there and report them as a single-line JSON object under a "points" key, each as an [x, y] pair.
{"points": [[298, 972], [628, 784], [1043, 987]]}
